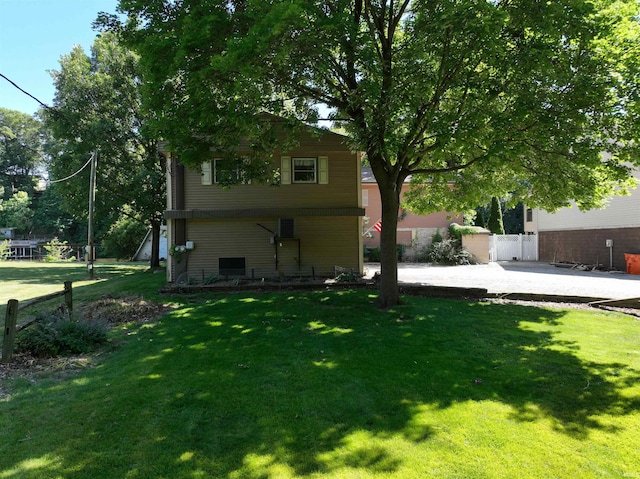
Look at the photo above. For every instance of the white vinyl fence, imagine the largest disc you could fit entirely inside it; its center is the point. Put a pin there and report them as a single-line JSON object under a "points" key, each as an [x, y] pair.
{"points": [[513, 247]]}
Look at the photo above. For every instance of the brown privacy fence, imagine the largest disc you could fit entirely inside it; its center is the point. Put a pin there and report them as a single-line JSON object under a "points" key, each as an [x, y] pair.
{"points": [[11, 317]]}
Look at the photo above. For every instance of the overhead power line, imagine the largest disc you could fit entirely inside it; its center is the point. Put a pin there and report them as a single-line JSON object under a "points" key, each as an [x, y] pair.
{"points": [[27, 93], [54, 110], [76, 173]]}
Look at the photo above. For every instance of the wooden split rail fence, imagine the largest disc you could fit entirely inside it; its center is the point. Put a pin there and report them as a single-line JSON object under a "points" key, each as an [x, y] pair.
{"points": [[11, 317]]}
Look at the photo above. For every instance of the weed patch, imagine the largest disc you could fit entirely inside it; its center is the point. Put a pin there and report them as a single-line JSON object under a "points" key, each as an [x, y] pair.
{"points": [[61, 333]]}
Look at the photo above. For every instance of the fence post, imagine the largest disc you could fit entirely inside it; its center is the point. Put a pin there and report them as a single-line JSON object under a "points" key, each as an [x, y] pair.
{"points": [[521, 241], [11, 317], [68, 295]]}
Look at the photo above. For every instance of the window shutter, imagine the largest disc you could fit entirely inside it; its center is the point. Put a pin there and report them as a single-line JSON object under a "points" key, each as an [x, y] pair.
{"points": [[285, 170], [206, 173], [323, 170]]}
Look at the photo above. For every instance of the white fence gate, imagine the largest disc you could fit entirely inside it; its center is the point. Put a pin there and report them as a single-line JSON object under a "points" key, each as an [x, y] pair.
{"points": [[513, 247]]}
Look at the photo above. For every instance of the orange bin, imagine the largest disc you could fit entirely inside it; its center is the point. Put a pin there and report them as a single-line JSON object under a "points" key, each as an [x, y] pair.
{"points": [[633, 262]]}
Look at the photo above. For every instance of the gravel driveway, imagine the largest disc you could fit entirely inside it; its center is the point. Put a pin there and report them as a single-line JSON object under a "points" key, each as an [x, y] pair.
{"points": [[520, 277]]}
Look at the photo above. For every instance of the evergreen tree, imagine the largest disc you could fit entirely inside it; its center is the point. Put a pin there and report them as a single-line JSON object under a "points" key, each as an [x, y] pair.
{"points": [[495, 224]]}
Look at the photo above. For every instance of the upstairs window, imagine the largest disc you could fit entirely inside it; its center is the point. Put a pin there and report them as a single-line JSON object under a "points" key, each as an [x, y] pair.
{"points": [[228, 171], [305, 170]]}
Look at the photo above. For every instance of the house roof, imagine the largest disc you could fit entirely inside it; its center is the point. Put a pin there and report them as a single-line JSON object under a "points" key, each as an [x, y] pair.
{"points": [[314, 130], [366, 176]]}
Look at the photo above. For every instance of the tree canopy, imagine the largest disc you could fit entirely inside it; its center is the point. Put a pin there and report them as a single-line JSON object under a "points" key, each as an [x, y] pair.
{"points": [[21, 156], [97, 107], [473, 99], [16, 212]]}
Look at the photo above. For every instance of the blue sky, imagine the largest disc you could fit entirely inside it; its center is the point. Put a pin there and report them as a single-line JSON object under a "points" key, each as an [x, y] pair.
{"points": [[34, 34]]}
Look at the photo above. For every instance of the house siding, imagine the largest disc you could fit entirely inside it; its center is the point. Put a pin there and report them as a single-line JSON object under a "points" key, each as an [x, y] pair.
{"points": [[339, 191], [620, 212], [242, 221], [574, 236], [325, 242]]}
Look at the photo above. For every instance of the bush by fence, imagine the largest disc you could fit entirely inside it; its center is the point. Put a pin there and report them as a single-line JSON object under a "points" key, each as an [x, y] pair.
{"points": [[11, 317]]}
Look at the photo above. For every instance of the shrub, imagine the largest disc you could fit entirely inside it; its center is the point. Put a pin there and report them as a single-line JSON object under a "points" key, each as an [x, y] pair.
{"points": [[58, 251], [5, 250], [123, 238], [59, 333], [400, 250], [374, 255], [449, 252], [348, 277], [456, 231]]}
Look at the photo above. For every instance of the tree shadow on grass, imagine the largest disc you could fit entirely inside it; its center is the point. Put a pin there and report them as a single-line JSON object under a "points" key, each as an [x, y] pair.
{"points": [[268, 385], [38, 272]]}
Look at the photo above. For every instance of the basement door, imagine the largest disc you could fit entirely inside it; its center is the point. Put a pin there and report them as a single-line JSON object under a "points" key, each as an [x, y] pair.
{"points": [[288, 256]]}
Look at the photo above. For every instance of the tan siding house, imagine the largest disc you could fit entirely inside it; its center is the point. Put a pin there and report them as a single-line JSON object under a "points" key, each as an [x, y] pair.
{"points": [[309, 224]]}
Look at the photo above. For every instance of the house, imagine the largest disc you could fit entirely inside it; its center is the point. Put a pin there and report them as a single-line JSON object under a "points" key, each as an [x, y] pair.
{"points": [[414, 231], [144, 250], [7, 233], [589, 237], [306, 225]]}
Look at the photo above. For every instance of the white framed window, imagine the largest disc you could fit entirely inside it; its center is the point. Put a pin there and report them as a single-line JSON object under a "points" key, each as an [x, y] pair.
{"points": [[225, 170], [305, 170], [228, 171], [365, 197]]}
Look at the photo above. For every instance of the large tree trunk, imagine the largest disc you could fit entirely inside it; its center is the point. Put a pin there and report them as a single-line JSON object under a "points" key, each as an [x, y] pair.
{"points": [[389, 295], [155, 245]]}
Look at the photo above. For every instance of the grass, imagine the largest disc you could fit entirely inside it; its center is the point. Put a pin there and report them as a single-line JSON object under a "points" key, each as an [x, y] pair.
{"points": [[23, 280], [27, 279], [323, 384]]}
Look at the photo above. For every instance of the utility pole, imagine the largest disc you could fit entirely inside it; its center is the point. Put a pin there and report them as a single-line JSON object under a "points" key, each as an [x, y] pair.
{"points": [[92, 198]]}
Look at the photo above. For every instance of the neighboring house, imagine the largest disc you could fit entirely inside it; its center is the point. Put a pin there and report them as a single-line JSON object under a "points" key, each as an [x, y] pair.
{"points": [[7, 233], [144, 250], [308, 224], [414, 231], [22, 249], [589, 237]]}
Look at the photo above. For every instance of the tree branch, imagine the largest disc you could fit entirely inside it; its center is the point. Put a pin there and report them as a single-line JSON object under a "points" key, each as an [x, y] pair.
{"points": [[449, 169]]}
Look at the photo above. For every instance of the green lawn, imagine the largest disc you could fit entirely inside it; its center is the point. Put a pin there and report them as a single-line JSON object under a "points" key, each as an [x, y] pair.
{"points": [[23, 280], [26, 279], [323, 384]]}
